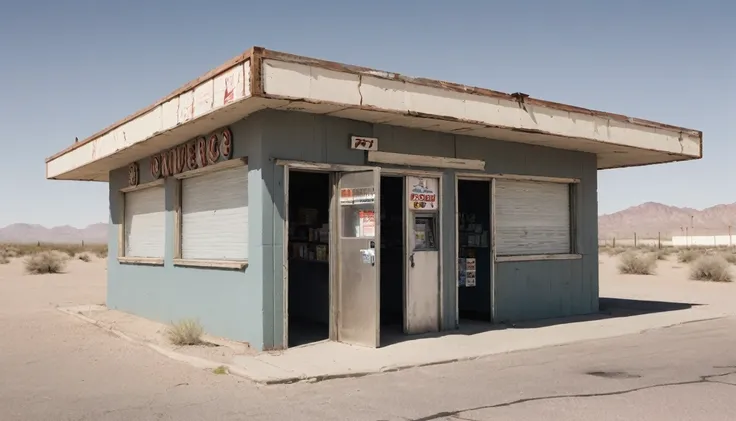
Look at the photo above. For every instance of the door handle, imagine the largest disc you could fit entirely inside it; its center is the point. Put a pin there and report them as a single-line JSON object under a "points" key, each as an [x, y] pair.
{"points": [[411, 259]]}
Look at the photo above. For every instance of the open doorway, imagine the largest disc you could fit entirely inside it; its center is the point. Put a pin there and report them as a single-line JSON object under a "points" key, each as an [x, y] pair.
{"points": [[474, 260], [392, 255], [308, 253]]}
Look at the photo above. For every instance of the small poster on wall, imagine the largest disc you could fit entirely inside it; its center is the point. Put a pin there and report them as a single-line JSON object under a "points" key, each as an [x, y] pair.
{"points": [[466, 272], [423, 194]]}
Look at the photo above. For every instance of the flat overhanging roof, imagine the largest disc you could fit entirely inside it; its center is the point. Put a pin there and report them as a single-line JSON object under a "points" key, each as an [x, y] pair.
{"points": [[262, 79]]}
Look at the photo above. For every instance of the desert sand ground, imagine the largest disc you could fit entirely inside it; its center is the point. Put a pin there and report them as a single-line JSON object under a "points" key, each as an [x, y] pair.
{"points": [[83, 284], [671, 283], [80, 283], [56, 367]]}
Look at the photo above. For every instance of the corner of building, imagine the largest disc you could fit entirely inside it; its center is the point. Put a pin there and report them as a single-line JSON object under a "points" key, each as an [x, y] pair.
{"points": [[227, 302]]}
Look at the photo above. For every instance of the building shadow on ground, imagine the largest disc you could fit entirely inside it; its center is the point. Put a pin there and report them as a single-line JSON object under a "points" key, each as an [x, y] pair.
{"points": [[609, 308]]}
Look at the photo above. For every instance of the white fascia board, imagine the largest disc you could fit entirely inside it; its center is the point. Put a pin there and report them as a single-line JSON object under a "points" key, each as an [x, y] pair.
{"points": [[304, 82], [225, 89]]}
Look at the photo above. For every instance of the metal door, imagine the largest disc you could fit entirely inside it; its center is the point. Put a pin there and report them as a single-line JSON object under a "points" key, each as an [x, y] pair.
{"points": [[358, 257], [422, 312]]}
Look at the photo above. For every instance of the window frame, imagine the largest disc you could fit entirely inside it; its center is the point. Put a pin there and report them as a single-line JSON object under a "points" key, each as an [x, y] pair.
{"points": [[572, 252], [178, 220], [122, 200]]}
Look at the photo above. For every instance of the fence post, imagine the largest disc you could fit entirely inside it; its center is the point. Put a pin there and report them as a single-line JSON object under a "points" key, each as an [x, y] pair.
{"points": [[659, 240], [614, 241], [634, 239]]}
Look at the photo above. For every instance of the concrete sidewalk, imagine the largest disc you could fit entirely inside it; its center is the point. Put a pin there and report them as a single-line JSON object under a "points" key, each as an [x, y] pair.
{"points": [[329, 360], [640, 303]]}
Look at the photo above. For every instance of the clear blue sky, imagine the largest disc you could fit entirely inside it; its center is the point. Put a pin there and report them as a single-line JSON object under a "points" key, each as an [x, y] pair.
{"points": [[70, 68]]}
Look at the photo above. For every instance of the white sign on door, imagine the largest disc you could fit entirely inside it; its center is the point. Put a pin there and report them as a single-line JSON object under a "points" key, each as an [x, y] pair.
{"points": [[423, 194]]}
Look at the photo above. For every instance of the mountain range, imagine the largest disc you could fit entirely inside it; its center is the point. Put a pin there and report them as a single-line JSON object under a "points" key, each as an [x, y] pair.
{"points": [[647, 220], [32, 233], [650, 219]]}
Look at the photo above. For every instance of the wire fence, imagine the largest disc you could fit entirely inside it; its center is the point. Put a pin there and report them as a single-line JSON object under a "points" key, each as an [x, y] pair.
{"points": [[685, 237], [634, 241]]}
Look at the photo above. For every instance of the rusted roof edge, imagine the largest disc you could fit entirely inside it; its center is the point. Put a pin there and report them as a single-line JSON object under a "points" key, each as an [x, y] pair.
{"points": [[340, 67], [191, 84], [257, 54]]}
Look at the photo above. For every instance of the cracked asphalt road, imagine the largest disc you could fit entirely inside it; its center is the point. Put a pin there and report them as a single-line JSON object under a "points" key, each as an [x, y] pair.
{"points": [[54, 367]]}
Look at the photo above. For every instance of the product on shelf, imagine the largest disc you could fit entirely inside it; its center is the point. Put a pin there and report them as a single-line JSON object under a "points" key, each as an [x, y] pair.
{"points": [[308, 239]]}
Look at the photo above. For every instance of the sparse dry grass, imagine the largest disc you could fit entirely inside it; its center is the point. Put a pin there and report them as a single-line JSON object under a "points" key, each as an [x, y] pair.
{"points": [[46, 262], [689, 255], [9, 251], [659, 253], [663, 253], [637, 263], [185, 332], [20, 250], [612, 251], [729, 256], [711, 268]]}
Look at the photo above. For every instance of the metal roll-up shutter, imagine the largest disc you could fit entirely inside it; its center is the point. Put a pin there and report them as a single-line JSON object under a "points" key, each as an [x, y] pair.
{"points": [[214, 215], [145, 223], [532, 218]]}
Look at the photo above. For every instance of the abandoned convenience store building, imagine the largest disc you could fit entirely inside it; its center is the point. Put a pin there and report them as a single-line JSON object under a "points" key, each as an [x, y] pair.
{"points": [[281, 200]]}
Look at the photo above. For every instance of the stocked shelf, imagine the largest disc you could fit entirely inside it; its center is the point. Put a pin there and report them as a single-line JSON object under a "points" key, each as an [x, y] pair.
{"points": [[473, 241], [309, 238]]}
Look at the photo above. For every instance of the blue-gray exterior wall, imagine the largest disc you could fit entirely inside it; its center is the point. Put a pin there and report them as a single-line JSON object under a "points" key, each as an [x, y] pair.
{"points": [[524, 290], [248, 305], [228, 303]]}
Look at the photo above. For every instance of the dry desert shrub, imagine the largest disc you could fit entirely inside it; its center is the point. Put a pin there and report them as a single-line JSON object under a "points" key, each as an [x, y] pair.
{"points": [[185, 332], [613, 251], [46, 262], [84, 257], [4, 260], [633, 263], [729, 256], [662, 254], [711, 268], [9, 251], [689, 255]]}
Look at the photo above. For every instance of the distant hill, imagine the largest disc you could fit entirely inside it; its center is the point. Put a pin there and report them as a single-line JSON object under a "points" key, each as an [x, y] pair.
{"points": [[650, 218], [28, 233]]}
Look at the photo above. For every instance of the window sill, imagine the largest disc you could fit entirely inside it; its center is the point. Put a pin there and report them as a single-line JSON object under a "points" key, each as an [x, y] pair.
{"points": [[152, 261], [538, 257], [215, 264]]}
